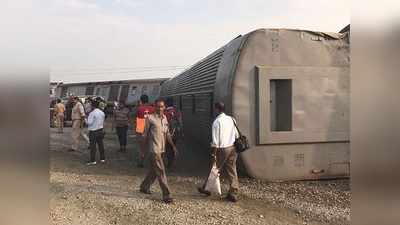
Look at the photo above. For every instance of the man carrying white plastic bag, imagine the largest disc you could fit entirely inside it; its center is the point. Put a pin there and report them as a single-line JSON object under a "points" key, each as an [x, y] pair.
{"points": [[223, 155], [213, 184]]}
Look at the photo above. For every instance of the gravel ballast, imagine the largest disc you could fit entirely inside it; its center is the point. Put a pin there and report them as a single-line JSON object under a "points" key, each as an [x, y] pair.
{"points": [[108, 194]]}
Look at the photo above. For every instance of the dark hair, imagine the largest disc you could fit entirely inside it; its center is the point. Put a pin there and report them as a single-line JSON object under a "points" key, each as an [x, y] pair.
{"points": [[144, 99], [220, 106], [95, 104], [159, 100], [58, 100]]}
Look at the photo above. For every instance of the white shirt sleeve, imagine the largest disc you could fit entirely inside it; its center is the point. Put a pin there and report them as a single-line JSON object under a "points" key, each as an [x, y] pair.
{"points": [[90, 119], [215, 134]]}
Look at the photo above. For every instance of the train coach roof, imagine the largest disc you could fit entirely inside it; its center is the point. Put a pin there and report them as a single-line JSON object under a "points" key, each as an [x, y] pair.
{"points": [[201, 76]]}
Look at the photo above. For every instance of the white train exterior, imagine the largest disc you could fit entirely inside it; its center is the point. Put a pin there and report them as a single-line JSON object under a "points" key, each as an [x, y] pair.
{"points": [[128, 90], [289, 92]]}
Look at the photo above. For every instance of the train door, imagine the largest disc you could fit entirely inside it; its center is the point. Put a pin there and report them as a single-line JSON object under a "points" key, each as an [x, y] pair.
{"points": [[302, 104]]}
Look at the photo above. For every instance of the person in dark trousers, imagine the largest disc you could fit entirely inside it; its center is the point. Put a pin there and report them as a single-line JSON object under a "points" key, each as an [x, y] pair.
{"points": [[95, 122], [143, 110], [174, 118], [156, 134], [223, 151], [121, 121]]}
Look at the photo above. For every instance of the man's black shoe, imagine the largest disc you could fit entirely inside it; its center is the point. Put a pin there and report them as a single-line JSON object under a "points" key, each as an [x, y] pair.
{"points": [[168, 200], [201, 190], [147, 192], [231, 198]]}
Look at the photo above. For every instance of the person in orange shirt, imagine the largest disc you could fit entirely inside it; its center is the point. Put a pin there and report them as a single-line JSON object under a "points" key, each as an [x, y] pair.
{"points": [[59, 113], [144, 109]]}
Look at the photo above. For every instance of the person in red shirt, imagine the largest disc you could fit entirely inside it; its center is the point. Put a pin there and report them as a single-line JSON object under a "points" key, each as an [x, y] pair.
{"points": [[144, 109], [174, 118]]}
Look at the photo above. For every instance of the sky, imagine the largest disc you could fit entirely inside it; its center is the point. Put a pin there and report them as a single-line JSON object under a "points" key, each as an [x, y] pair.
{"points": [[89, 40]]}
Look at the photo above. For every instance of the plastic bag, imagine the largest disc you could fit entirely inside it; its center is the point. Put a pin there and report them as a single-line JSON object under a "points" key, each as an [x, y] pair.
{"points": [[213, 183], [55, 122]]}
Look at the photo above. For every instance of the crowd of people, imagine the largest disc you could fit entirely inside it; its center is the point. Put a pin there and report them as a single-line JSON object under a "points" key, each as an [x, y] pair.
{"points": [[158, 128]]}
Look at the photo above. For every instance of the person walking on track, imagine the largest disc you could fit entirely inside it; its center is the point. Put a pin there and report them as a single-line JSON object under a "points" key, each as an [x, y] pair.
{"points": [[77, 116], [156, 134], [223, 151], [95, 122], [59, 112], [121, 121]]}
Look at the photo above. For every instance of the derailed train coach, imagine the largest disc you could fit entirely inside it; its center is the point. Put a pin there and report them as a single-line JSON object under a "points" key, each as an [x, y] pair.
{"points": [[289, 92]]}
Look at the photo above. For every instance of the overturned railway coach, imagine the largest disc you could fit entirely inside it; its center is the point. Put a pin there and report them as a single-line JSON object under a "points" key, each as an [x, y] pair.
{"points": [[289, 92]]}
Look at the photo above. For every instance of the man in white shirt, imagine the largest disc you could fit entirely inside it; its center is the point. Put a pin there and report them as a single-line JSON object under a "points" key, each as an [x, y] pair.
{"points": [[95, 122], [223, 152]]}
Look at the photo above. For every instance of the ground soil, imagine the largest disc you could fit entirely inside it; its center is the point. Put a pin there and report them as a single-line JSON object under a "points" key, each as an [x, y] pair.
{"points": [[108, 193]]}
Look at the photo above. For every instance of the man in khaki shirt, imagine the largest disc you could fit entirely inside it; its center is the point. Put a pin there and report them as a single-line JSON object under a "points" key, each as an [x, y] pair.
{"points": [[59, 113], [156, 134], [77, 116]]}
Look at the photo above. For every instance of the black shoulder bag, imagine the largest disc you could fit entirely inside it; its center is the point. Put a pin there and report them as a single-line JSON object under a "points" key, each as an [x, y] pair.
{"points": [[241, 143]]}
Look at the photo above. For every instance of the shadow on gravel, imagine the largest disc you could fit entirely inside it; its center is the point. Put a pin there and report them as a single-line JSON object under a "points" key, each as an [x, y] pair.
{"points": [[191, 160]]}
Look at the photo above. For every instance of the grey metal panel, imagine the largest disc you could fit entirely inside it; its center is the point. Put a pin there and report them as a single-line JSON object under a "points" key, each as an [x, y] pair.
{"points": [[319, 104], [197, 118], [200, 77], [198, 81], [206, 75], [227, 70], [203, 103], [187, 103], [291, 49], [177, 102], [188, 118]]}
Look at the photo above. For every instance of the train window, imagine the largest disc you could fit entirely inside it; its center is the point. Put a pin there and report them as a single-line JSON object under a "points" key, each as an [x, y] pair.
{"points": [[103, 92], [64, 91], [133, 90], [89, 90], [144, 89], [113, 94], [155, 90], [280, 104]]}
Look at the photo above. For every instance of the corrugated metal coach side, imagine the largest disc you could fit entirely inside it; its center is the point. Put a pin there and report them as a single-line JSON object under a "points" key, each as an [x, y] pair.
{"points": [[192, 92]]}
